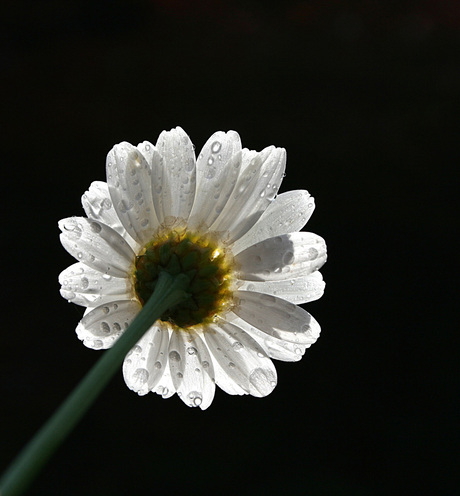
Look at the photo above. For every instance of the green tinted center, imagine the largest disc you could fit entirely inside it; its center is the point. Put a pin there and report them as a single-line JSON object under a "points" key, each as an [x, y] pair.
{"points": [[201, 260]]}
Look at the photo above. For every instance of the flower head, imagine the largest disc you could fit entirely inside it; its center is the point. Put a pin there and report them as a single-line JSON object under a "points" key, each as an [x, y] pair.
{"points": [[218, 220]]}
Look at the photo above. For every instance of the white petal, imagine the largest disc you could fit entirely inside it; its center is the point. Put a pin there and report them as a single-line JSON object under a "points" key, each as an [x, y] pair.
{"points": [[276, 317], [97, 245], [255, 189], [282, 257], [225, 382], [275, 348], [288, 213], [103, 325], [241, 358], [191, 369], [98, 205], [145, 364], [129, 182], [174, 178], [165, 387], [298, 290], [218, 166], [88, 287]]}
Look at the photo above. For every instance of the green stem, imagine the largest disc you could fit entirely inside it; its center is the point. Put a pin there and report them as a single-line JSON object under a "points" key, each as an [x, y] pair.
{"points": [[168, 292]]}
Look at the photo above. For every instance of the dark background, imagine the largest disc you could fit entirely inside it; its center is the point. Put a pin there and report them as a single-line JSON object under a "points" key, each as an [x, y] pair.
{"points": [[362, 94]]}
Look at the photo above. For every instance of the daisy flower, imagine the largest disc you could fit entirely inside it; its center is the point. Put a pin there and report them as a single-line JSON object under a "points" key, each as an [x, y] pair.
{"points": [[218, 220]]}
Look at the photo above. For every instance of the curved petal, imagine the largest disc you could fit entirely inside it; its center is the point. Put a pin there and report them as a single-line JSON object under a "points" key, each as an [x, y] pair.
{"points": [[298, 290], [174, 177], [144, 365], [129, 182], [218, 166], [102, 326], [276, 317], [255, 189], [275, 348], [89, 288], [97, 245], [98, 206], [241, 358], [282, 257], [288, 213], [191, 369]]}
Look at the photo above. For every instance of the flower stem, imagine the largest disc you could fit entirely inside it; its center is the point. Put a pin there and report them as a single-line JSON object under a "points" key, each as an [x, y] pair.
{"points": [[169, 291]]}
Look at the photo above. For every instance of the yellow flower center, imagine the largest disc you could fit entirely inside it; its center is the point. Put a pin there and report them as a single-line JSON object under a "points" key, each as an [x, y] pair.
{"points": [[202, 260]]}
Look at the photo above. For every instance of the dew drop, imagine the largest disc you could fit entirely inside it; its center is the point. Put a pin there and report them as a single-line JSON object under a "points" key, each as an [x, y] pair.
{"points": [[124, 206], [288, 257], [180, 375], [106, 310], [141, 376], [97, 343], [116, 327], [237, 346], [305, 328], [84, 282], [195, 398], [174, 356], [144, 223], [191, 350], [157, 365], [251, 287], [262, 381], [231, 365], [106, 203], [312, 253], [210, 160], [137, 349], [95, 227], [216, 146], [205, 364], [105, 328], [210, 172]]}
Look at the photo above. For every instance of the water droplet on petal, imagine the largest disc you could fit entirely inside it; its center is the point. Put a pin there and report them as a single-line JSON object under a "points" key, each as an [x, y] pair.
{"points": [[95, 227], [196, 398], [262, 381], [191, 350], [84, 282], [216, 146], [174, 356], [288, 257], [141, 376], [237, 346], [105, 328], [312, 253]]}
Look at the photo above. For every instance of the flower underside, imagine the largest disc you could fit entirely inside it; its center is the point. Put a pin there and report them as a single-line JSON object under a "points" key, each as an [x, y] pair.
{"points": [[200, 258]]}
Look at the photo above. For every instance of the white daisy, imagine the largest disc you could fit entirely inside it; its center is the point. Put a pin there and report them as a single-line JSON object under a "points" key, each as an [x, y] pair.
{"points": [[218, 220]]}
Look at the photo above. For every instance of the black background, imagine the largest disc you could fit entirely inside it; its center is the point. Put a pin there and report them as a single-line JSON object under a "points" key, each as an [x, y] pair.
{"points": [[362, 95]]}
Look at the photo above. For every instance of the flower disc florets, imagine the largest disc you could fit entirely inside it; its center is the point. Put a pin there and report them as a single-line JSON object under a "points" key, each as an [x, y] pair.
{"points": [[201, 260]]}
